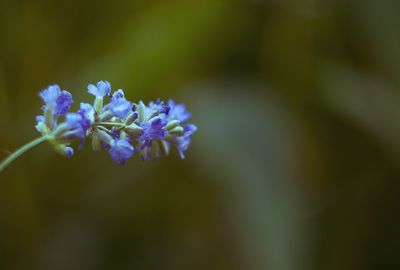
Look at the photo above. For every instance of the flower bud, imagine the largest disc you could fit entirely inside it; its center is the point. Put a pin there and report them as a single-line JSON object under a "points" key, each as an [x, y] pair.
{"points": [[134, 130], [140, 109], [164, 147], [64, 150], [104, 136], [105, 116], [178, 131], [131, 117], [42, 128], [172, 124]]}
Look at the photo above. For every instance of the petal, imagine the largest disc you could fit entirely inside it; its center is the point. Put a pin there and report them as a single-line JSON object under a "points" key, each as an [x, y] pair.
{"points": [[92, 89]]}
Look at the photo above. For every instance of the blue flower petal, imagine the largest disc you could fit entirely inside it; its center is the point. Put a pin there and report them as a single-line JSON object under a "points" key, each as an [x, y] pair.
{"points": [[120, 150], [56, 100], [101, 89], [119, 106]]}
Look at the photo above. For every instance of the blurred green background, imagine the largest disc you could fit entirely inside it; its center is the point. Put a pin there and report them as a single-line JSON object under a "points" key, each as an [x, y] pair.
{"points": [[296, 164]]}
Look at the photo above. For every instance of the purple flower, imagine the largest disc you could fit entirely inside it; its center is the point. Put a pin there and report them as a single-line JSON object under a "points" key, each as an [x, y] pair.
{"points": [[120, 150], [158, 106], [57, 101], [74, 125], [118, 127], [119, 106], [151, 152], [71, 129], [152, 130], [177, 112], [101, 89], [183, 142], [151, 110], [40, 121], [87, 112], [69, 152]]}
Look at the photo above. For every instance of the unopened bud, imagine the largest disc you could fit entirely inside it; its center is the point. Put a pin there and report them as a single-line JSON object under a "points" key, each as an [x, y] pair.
{"points": [[134, 130], [104, 136], [164, 147], [131, 117], [172, 124], [64, 150], [105, 116], [178, 131]]}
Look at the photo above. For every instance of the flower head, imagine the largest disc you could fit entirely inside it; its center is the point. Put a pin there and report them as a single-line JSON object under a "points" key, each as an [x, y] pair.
{"points": [[152, 130], [118, 127], [101, 89], [119, 106], [74, 124], [177, 111], [120, 150], [57, 101]]}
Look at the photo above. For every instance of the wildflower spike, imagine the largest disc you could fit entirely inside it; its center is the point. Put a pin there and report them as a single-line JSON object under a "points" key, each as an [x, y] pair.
{"points": [[120, 127]]}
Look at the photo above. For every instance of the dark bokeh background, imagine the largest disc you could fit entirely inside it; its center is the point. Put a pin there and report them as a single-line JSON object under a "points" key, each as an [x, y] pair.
{"points": [[295, 164]]}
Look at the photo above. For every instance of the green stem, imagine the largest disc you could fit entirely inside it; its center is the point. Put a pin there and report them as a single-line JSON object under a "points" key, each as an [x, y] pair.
{"points": [[112, 124], [21, 151]]}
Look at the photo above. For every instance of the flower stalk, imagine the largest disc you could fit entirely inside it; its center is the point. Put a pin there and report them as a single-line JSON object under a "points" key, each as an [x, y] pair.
{"points": [[13, 156]]}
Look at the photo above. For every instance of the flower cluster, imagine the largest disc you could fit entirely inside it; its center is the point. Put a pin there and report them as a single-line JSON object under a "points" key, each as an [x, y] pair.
{"points": [[120, 127]]}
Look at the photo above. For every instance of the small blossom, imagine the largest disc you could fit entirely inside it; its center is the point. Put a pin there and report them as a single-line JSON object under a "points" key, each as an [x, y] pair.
{"points": [[152, 130], [119, 106], [153, 151], [183, 142], [158, 106], [40, 123], [101, 89], [87, 112], [177, 111], [69, 152], [153, 109], [120, 150], [74, 122], [56, 100]]}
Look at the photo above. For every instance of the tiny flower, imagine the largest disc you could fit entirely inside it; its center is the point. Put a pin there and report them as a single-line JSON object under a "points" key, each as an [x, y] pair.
{"points": [[119, 106], [177, 111], [72, 128], [157, 108], [183, 142], [120, 150], [62, 149], [152, 130], [41, 124], [69, 152], [101, 89], [87, 112], [57, 101], [153, 151], [75, 123]]}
